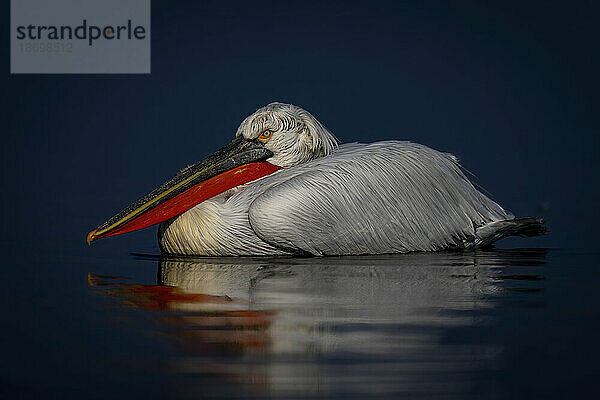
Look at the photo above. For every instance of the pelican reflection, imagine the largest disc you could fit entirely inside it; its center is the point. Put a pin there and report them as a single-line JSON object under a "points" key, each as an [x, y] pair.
{"points": [[387, 316]]}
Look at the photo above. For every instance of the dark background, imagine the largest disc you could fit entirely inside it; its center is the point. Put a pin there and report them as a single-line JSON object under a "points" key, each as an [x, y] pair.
{"points": [[510, 88]]}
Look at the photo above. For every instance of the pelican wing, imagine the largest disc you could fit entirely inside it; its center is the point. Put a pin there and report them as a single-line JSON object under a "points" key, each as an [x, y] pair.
{"points": [[383, 197]]}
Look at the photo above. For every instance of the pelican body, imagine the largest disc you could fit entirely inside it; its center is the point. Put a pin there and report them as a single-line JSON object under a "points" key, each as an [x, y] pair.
{"points": [[285, 187]]}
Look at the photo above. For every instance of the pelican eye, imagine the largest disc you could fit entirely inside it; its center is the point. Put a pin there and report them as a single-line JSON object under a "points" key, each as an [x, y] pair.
{"points": [[265, 136]]}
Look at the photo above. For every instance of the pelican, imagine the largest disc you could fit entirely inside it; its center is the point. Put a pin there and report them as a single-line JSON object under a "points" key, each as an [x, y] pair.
{"points": [[284, 186]]}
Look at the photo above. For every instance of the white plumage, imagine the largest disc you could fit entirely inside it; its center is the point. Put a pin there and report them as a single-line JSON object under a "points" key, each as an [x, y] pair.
{"points": [[384, 197]]}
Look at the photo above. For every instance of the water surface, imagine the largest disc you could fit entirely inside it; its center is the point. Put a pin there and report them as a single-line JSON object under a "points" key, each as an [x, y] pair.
{"points": [[484, 324]]}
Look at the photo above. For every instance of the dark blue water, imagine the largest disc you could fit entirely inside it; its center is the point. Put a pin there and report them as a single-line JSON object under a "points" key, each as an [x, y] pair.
{"points": [[511, 88], [500, 323]]}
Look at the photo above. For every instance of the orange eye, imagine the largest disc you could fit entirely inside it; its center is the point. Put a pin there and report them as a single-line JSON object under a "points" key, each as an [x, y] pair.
{"points": [[265, 136]]}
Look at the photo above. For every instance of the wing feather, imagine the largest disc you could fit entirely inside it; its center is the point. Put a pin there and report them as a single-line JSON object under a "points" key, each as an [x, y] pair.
{"points": [[384, 197]]}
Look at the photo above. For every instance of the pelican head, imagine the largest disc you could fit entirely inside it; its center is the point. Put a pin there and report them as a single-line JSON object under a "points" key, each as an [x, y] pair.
{"points": [[291, 133], [274, 137]]}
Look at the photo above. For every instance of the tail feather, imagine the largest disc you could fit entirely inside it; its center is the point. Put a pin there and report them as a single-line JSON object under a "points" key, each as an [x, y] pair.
{"points": [[526, 227]]}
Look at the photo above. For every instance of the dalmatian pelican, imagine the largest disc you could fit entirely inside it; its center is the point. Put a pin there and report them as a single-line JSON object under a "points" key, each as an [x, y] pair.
{"points": [[284, 186]]}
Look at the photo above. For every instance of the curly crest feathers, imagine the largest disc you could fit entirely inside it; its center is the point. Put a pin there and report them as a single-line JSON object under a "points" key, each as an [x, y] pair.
{"points": [[297, 135]]}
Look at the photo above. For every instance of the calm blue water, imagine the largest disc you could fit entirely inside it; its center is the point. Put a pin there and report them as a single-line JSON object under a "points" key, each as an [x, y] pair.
{"points": [[511, 89], [499, 323]]}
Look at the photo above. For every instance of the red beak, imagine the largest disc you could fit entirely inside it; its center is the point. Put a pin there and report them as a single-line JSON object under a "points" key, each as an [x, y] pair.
{"points": [[241, 161]]}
